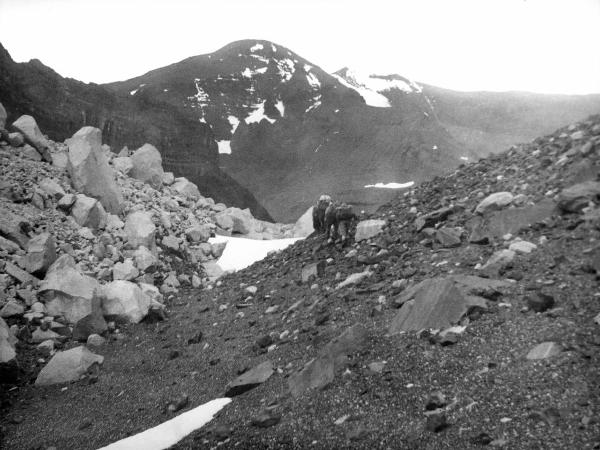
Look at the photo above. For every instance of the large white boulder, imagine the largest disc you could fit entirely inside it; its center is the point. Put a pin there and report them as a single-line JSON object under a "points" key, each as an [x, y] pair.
{"points": [[185, 187], [367, 229], [89, 170], [88, 212], [67, 291], [68, 366], [147, 165], [140, 230], [124, 300], [28, 127]]}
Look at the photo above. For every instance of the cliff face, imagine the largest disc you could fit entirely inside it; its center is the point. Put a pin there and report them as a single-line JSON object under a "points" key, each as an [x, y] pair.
{"points": [[61, 106]]}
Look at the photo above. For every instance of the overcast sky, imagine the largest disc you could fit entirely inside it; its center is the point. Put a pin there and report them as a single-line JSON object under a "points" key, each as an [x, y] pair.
{"points": [[534, 45]]}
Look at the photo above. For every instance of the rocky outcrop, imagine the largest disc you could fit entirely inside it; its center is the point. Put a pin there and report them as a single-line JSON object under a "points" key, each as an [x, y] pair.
{"points": [[28, 127], [125, 301]]}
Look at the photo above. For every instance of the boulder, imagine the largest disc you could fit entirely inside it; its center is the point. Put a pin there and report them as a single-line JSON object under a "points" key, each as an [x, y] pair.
{"points": [[449, 237], [13, 228], [41, 253], [30, 153], [144, 259], [147, 165], [236, 220], [89, 169], [522, 247], [67, 292], [498, 261], [7, 343], [544, 350], [68, 366], [12, 308], [312, 270], [60, 159], [125, 270], [433, 218], [51, 188], [125, 301], [212, 270], [367, 229], [88, 212], [497, 200], [123, 164], [3, 116], [93, 323], [249, 380], [354, 278], [574, 198], [320, 371], [20, 275], [168, 178], [304, 225], [217, 248], [436, 303], [16, 139], [186, 188], [28, 127], [198, 233], [170, 242], [140, 230]]}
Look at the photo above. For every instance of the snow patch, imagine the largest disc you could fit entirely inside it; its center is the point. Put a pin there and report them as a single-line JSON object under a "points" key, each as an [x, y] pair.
{"points": [[256, 47], [137, 89], [464, 158], [234, 122], [224, 147], [435, 147], [247, 73], [258, 114], [165, 90], [240, 253], [273, 48], [391, 185], [371, 98], [316, 104], [201, 96], [281, 107], [260, 58], [313, 80], [172, 431], [286, 68]]}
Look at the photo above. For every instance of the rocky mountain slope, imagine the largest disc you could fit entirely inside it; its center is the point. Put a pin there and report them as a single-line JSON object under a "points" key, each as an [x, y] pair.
{"points": [[63, 105], [294, 131], [463, 314]]}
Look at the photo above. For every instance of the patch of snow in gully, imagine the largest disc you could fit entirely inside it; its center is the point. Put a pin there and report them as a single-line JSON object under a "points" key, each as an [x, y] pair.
{"points": [[391, 185], [280, 107], [172, 431], [256, 47], [258, 114], [234, 122], [371, 98], [240, 253], [224, 147]]}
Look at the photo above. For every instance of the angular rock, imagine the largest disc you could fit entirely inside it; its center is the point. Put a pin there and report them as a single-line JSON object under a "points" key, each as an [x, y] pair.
{"points": [[544, 350], [40, 335], [433, 218], [89, 170], [354, 278], [168, 178], [198, 233], [88, 212], [125, 270], [217, 248], [52, 188], [123, 164], [185, 187], [320, 371], [249, 380], [434, 303], [13, 228], [145, 260], [95, 340], [140, 230], [540, 302], [41, 253], [20, 275], [574, 198], [124, 300], [237, 220], [449, 237], [314, 270], [68, 366], [16, 139], [367, 229], [93, 323], [28, 127], [498, 261], [522, 247], [171, 242], [67, 292], [147, 165], [497, 200], [304, 225], [12, 308], [212, 270]]}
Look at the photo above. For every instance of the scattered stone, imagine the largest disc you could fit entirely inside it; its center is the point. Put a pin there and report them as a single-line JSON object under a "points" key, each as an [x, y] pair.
{"points": [[12, 308], [140, 230], [68, 366], [250, 379], [313, 270], [95, 340], [41, 253], [544, 350], [88, 212], [574, 198], [266, 419], [449, 237], [355, 278], [522, 247]]}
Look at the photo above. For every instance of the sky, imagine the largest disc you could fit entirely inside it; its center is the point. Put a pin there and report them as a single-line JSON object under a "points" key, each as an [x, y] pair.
{"points": [[548, 46]]}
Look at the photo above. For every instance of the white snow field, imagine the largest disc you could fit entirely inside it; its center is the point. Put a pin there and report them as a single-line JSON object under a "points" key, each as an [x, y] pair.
{"points": [[240, 252], [172, 431]]}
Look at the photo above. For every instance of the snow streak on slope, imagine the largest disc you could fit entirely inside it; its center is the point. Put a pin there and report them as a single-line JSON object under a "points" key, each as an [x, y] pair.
{"points": [[224, 147], [234, 121], [391, 185], [258, 114], [372, 98]]}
